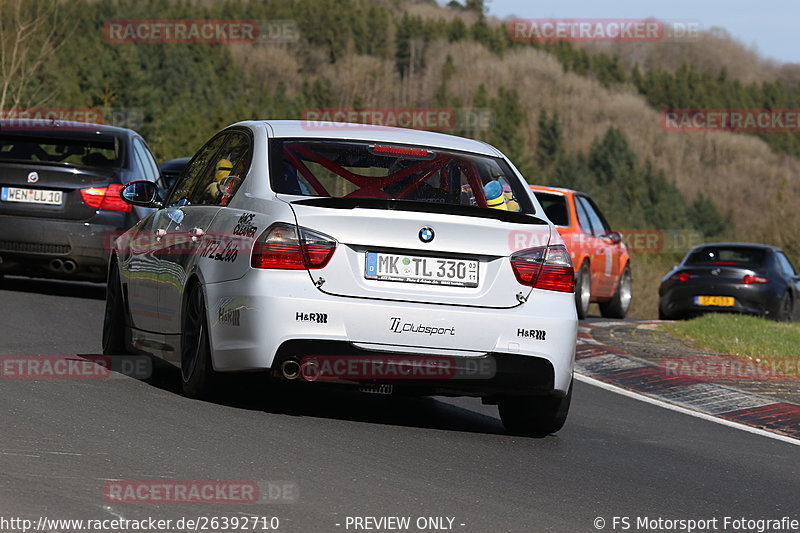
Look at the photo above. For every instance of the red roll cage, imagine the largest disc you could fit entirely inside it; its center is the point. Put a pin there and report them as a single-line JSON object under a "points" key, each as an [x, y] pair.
{"points": [[373, 187]]}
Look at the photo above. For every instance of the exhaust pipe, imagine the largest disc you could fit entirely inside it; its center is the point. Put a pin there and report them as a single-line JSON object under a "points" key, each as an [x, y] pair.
{"points": [[70, 266], [290, 369], [309, 370], [56, 264]]}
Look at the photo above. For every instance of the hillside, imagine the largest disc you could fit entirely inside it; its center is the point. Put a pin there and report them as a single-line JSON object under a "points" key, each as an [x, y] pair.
{"points": [[576, 116]]}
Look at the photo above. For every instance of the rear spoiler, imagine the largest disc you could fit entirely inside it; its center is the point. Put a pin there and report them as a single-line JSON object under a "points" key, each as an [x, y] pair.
{"points": [[420, 207]]}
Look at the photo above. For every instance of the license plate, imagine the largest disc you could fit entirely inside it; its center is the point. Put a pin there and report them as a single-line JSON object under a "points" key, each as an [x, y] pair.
{"points": [[426, 270], [720, 301], [31, 196]]}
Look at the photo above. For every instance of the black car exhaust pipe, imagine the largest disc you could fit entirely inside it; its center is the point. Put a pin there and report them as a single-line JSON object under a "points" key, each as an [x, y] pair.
{"points": [[70, 266], [56, 264], [290, 369]]}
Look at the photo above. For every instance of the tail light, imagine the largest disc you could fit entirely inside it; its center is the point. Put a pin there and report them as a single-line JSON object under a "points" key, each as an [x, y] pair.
{"points": [[748, 279], [287, 247], [682, 277], [105, 198], [545, 267]]}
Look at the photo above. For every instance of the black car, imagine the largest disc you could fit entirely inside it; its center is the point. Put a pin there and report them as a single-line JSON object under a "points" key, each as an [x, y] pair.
{"points": [[731, 277], [171, 169], [60, 208]]}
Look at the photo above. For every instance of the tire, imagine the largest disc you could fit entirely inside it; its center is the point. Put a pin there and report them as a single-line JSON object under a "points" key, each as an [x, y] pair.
{"points": [[198, 378], [618, 305], [115, 329], [583, 291], [534, 416], [785, 308]]}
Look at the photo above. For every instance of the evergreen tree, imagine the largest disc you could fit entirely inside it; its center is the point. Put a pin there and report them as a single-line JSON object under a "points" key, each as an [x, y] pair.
{"points": [[612, 157], [509, 118], [570, 171], [456, 30], [549, 144], [706, 218]]}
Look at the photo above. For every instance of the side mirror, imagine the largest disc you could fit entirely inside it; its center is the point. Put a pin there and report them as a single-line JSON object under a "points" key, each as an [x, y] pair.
{"points": [[615, 237], [142, 193]]}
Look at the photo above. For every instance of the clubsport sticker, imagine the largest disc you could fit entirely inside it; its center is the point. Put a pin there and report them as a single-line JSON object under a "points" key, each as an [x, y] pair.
{"points": [[398, 326]]}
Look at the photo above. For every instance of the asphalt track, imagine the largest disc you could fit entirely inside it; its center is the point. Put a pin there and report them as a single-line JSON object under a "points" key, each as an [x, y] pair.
{"points": [[357, 455]]}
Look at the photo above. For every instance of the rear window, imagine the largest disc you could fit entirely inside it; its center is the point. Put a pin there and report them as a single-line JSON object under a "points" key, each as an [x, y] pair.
{"points": [[355, 169], [732, 256], [96, 151], [554, 206]]}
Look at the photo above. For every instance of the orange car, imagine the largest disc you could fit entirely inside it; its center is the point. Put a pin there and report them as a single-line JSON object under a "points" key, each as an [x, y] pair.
{"points": [[601, 260]]}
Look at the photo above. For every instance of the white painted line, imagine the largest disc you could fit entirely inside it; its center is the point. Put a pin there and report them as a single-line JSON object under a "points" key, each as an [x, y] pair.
{"points": [[684, 410]]}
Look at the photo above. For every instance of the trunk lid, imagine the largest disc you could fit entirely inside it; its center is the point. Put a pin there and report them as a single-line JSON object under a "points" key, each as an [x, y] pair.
{"points": [[48, 180], [718, 274], [485, 237]]}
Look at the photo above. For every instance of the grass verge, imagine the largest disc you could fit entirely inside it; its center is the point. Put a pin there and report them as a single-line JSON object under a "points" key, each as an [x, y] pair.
{"points": [[740, 335]]}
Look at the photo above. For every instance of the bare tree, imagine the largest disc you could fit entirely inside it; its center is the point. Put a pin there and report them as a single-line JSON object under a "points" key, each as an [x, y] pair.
{"points": [[30, 33]]}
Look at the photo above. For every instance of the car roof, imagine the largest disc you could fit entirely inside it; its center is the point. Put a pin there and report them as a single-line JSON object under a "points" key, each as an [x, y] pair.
{"points": [[558, 190], [736, 245], [366, 132], [65, 128], [176, 163]]}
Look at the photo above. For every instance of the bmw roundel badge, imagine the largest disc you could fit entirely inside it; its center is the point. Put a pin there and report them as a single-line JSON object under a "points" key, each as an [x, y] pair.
{"points": [[426, 234]]}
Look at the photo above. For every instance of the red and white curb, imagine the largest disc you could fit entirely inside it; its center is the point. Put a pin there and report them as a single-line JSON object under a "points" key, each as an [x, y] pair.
{"points": [[626, 374]]}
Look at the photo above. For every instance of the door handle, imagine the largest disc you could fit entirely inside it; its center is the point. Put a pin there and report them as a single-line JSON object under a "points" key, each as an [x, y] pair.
{"points": [[196, 233]]}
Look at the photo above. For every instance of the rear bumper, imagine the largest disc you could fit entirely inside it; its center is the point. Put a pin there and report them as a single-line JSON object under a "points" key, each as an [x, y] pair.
{"points": [[491, 375], [258, 321], [29, 245], [748, 299]]}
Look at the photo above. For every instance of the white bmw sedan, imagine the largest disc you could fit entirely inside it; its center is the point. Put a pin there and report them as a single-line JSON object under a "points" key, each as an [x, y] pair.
{"points": [[390, 260]]}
